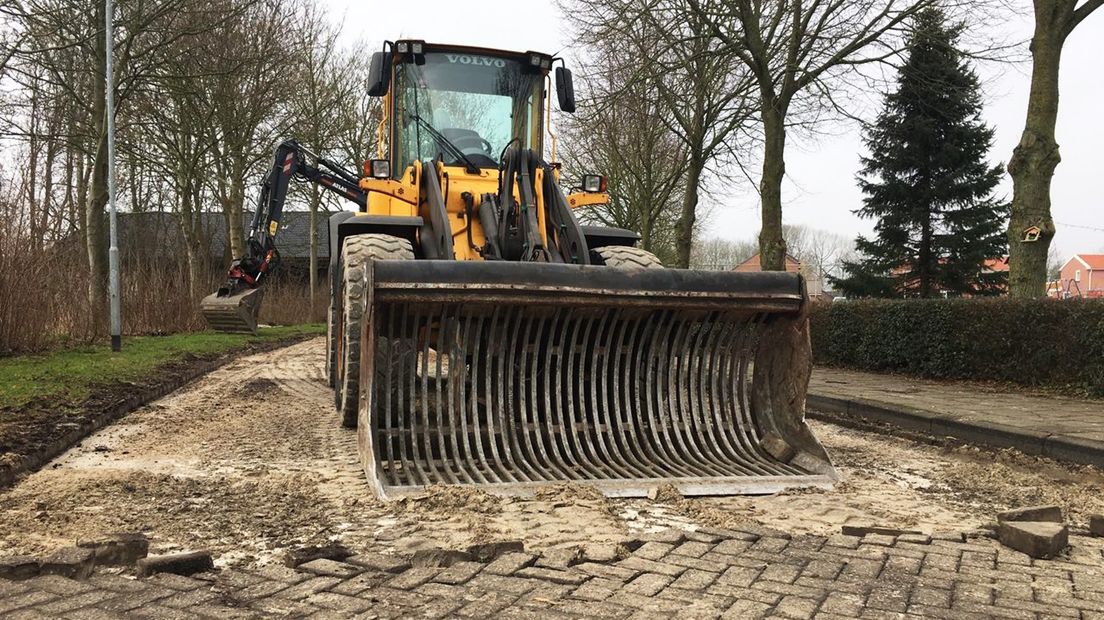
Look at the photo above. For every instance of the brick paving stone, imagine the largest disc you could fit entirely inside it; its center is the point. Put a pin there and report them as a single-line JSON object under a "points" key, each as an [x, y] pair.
{"points": [[331, 568], [70, 602], [796, 607], [648, 584], [650, 566], [706, 563], [746, 608], [671, 536], [597, 589], [607, 571], [338, 602], [732, 546], [782, 573], [843, 603], [573, 578], [412, 578], [509, 563], [692, 548], [694, 579], [770, 545], [653, 550], [739, 576], [306, 588], [486, 606]]}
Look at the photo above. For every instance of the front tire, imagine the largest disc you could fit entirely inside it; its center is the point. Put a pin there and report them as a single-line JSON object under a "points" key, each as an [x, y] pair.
{"points": [[357, 254]]}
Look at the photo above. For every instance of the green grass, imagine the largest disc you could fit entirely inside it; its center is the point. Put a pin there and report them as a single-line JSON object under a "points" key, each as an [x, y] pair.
{"points": [[70, 375]]}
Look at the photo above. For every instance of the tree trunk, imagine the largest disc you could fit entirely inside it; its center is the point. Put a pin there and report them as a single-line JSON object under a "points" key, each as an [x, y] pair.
{"points": [[315, 201], [772, 246], [1035, 158], [94, 234], [684, 230], [925, 257]]}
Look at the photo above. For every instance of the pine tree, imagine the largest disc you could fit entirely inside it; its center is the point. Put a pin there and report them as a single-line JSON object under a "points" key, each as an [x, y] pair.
{"points": [[927, 181]]}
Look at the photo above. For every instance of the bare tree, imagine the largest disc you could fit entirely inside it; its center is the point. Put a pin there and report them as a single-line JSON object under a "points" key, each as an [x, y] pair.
{"points": [[689, 72], [1036, 156], [798, 53]]}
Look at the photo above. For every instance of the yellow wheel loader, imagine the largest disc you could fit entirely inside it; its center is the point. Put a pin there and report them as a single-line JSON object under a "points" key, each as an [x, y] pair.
{"points": [[480, 335]]}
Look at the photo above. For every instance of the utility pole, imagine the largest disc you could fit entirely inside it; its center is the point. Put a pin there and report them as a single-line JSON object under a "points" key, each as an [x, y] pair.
{"points": [[113, 252]]}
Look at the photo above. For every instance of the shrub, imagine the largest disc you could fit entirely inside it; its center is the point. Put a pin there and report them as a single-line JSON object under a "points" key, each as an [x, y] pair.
{"points": [[1039, 342]]}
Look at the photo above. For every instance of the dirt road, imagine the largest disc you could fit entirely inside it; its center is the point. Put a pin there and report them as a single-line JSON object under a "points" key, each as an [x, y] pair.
{"points": [[250, 460]]}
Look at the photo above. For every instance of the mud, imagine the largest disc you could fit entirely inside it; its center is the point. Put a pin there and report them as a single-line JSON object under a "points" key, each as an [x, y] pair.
{"points": [[251, 460]]}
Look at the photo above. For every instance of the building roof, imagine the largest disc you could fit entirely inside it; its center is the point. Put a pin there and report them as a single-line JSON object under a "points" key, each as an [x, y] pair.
{"points": [[996, 264], [754, 264], [1090, 261]]}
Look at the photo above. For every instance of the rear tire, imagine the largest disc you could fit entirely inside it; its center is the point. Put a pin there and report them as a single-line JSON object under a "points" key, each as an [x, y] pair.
{"points": [[625, 257], [357, 255]]}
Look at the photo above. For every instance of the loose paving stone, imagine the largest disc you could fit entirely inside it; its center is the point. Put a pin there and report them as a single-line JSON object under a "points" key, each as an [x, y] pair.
{"points": [[330, 568], [71, 562], [864, 530], [509, 563], [1035, 538], [487, 552], [302, 555], [178, 563], [459, 573], [597, 552], [438, 558], [379, 562], [1052, 514], [1096, 525], [17, 567], [560, 557], [118, 549]]}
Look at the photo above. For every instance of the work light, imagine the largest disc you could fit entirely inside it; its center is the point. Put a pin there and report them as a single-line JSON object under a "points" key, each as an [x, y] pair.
{"points": [[594, 183], [379, 168]]}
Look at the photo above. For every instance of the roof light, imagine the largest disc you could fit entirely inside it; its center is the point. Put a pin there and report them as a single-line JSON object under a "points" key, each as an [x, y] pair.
{"points": [[594, 183], [402, 47], [535, 60], [416, 47], [379, 168]]}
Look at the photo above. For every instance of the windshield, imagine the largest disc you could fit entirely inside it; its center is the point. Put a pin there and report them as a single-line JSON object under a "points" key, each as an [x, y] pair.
{"points": [[478, 103]]}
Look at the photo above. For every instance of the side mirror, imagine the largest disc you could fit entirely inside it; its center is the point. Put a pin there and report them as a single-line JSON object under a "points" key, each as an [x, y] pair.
{"points": [[379, 74], [565, 90]]}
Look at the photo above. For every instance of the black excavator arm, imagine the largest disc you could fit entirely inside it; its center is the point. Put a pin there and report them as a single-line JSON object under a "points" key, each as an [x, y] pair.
{"points": [[290, 163], [235, 305]]}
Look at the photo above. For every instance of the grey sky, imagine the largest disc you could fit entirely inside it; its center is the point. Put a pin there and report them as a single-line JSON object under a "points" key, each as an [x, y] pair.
{"points": [[821, 189]]}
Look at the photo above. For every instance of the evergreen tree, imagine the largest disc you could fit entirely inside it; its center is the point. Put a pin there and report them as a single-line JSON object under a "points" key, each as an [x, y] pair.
{"points": [[927, 180]]}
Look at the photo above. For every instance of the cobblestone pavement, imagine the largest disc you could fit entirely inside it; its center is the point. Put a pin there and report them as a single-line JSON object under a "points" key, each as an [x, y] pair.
{"points": [[746, 573]]}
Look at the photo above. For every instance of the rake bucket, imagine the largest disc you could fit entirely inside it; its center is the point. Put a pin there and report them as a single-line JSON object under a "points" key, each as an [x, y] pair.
{"points": [[510, 376]]}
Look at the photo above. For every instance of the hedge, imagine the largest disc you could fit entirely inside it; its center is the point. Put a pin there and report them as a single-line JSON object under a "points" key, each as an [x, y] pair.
{"points": [[1040, 342]]}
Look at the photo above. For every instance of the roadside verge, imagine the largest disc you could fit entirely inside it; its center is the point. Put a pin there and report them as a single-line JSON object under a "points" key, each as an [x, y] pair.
{"points": [[39, 424], [1035, 442]]}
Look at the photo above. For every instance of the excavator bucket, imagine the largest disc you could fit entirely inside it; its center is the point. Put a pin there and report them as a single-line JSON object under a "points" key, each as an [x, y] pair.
{"points": [[509, 376], [233, 313]]}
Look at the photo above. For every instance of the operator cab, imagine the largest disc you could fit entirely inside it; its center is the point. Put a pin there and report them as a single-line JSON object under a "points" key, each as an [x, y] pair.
{"points": [[465, 105]]}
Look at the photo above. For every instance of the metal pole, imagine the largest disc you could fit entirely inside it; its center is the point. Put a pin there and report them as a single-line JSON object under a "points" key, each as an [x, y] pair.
{"points": [[113, 252]]}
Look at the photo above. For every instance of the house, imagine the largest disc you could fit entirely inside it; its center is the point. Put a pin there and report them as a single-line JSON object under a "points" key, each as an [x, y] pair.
{"points": [[1083, 276], [814, 284]]}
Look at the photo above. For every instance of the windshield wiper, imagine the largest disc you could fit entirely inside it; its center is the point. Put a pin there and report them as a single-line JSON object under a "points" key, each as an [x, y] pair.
{"points": [[446, 143]]}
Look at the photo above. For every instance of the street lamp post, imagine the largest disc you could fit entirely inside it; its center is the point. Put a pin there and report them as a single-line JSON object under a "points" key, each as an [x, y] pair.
{"points": [[113, 252]]}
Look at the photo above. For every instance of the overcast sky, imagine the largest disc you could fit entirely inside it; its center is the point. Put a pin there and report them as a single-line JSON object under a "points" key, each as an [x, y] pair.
{"points": [[820, 190]]}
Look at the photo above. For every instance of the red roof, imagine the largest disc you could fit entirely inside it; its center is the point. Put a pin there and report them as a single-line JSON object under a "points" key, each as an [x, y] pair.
{"points": [[1094, 261], [997, 264], [752, 264]]}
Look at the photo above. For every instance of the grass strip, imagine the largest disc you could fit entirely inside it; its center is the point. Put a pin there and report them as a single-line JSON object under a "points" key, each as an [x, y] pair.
{"points": [[69, 376]]}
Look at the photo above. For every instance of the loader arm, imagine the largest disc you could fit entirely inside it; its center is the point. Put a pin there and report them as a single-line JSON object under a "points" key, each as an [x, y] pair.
{"points": [[235, 305]]}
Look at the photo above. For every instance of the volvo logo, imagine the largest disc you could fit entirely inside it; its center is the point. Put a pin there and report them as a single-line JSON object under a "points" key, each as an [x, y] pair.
{"points": [[484, 61]]}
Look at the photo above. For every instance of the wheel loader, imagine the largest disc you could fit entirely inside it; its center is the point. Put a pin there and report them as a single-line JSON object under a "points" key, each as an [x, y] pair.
{"points": [[479, 334]]}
